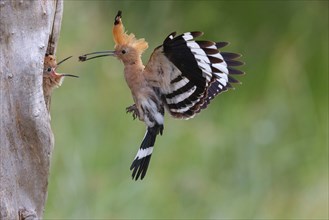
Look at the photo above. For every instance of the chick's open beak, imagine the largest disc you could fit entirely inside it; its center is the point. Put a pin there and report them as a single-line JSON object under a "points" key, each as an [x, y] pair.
{"points": [[70, 75], [97, 55], [57, 75]]}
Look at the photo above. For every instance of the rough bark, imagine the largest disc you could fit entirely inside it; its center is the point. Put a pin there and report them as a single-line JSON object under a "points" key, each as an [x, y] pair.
{"points": [[26, 138]]}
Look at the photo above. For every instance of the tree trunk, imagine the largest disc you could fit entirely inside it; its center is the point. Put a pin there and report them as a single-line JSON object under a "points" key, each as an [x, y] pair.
{"points": [[28, 29]]}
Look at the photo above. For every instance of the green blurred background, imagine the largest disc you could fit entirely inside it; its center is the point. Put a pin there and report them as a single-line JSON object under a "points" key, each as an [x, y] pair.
{"points": [[259, 151]]}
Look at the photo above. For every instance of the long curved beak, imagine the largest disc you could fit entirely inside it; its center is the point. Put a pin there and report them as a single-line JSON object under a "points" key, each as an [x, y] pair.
{"points": [[60, 75], [70, 75], [101, 54], [62, 61]]}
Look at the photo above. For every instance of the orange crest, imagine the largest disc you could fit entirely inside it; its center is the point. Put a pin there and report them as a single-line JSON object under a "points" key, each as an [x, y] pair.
{"points": [[122, 38]]}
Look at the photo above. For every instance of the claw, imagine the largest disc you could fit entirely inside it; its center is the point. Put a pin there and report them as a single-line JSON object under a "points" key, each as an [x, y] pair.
{"points": [[133, 109]]}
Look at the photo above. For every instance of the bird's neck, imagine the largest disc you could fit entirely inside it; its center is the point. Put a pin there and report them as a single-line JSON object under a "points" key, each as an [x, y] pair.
{"points": [[134, 68], [134, 75]]}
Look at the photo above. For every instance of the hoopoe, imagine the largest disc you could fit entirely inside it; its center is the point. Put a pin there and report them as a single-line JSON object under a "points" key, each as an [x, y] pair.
{"points": [[52, 79], [182, 76]]}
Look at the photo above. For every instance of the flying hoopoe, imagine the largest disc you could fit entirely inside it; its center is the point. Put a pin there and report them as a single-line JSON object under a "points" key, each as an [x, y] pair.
{"points": [[52, 79], [182, 76]]}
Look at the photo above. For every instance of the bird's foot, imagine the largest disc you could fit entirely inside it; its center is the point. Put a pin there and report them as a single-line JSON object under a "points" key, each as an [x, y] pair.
{"points": [[133, 109]]}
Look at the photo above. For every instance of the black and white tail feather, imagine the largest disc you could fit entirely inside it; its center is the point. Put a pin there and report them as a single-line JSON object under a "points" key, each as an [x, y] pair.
{"points": [[143, 157], [196, 72], [153, 113]]}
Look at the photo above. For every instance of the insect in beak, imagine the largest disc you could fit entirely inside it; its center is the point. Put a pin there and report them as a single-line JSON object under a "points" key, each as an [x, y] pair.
{"points": [[101, 54]]}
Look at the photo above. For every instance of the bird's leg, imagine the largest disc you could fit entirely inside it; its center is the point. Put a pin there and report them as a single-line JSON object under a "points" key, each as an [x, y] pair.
{"points": [[133, 109]]}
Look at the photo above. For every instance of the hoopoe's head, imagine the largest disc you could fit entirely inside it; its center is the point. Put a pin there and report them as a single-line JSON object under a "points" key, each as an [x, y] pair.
{"points": [[127, 47], [50, 76]]}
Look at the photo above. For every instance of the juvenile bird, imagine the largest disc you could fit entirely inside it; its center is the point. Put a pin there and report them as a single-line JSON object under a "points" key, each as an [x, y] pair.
{"points": [[182, 76], [52, 79]]}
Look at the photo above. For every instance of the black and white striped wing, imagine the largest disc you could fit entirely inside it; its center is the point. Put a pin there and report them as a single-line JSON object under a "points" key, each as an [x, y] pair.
{"points": [[194, 73], [216, 86]]}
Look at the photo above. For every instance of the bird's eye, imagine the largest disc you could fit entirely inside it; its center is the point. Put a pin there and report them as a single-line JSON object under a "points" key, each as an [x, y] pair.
{"points": [[49, 69], [123, 51]]}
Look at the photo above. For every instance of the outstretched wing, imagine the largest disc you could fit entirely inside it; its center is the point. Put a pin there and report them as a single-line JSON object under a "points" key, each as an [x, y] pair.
{"points": [[191, 73]]}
